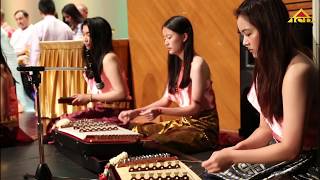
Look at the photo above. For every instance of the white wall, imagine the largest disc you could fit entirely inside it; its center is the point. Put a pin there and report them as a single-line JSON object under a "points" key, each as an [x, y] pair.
{"points": [[114, 11]]}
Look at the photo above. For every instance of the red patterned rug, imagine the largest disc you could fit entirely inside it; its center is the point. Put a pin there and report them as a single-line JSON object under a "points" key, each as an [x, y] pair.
{"points": [[228, 138]]}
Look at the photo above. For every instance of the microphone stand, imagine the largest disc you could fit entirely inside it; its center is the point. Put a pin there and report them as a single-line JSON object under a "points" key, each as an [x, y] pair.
{"points": [[43, 171]]}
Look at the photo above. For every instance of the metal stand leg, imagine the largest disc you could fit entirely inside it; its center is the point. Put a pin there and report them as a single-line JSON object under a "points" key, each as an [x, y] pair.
{"points": [[43, 171]]}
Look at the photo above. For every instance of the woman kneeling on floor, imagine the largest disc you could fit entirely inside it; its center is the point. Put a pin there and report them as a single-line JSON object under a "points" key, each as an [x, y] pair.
{"points": [[190, 86]]}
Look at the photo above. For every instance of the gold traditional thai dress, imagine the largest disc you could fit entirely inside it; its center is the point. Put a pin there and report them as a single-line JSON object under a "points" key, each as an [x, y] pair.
{"points": [[9, 102]]}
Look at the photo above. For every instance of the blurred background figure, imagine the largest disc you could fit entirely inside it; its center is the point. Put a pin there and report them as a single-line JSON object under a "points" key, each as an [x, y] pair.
{"points": [[5, 26], [21, 42], [8, 97], [24, 128], [21, 38], [26, 104], [83, 10], [48, 29], [74, 19], [8, 104]]}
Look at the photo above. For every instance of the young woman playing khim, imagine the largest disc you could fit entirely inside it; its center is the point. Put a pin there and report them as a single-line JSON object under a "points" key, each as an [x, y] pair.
{"points": [[105, 76], [189, 85], [286, 93]]}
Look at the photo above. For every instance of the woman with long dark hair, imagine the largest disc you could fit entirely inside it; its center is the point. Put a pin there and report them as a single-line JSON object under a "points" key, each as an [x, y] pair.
{"points": [[189, 85], [72, 17], [286, 93], [105, 77]]}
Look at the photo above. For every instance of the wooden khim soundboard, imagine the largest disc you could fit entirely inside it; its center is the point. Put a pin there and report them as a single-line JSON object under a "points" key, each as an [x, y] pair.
{"points": [[92, 146], [153, 167]]}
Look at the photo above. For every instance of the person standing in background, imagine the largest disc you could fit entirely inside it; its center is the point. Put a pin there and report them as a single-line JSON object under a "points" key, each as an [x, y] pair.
{"points": [[21, 43], [26, 104], [74, 19], [48, 29], [5, 26], [8, 97], [21, 38], [10, 129], [83, 10], [9, 116]]}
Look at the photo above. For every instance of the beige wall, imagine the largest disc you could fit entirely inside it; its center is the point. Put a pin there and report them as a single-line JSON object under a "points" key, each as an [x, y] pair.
{"points": [[115, 11]]}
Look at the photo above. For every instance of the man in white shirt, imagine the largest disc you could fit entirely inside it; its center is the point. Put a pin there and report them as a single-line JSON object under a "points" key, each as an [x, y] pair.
{"points": [[21, 38], [21, 43], [48, 29]]}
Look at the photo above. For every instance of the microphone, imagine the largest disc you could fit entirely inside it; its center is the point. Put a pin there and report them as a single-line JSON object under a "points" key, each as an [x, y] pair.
{"points": [[97, 78], [30, 68], [43, 68], [88, 67], [92, 70]]}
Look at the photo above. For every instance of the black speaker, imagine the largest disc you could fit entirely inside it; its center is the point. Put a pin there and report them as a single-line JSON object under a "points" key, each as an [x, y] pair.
{"points": [[303, 34]]}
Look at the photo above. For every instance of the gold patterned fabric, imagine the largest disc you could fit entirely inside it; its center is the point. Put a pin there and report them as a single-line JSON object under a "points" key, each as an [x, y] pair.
{"points": [[186, 134], [56, 84], [8, 99]]}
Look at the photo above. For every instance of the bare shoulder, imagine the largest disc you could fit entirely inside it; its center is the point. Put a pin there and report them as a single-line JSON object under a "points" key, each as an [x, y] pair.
{"points": [[110, 58], [199, 62], [301, 68], [199, 65], [300, 64]]}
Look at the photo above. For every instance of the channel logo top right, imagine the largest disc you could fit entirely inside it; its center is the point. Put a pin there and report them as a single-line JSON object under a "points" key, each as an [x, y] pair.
{"points": [[300, 17]]}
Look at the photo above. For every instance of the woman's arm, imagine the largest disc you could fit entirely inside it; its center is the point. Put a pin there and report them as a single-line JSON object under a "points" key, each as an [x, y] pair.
{"points": [[111, 69], [162, 102], [199, 74], [259, 138], [118, 92], [126, 116]]}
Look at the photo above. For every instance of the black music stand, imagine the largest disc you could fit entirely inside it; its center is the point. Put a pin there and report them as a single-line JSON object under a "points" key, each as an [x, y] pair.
{"points": [[43, 172]]}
